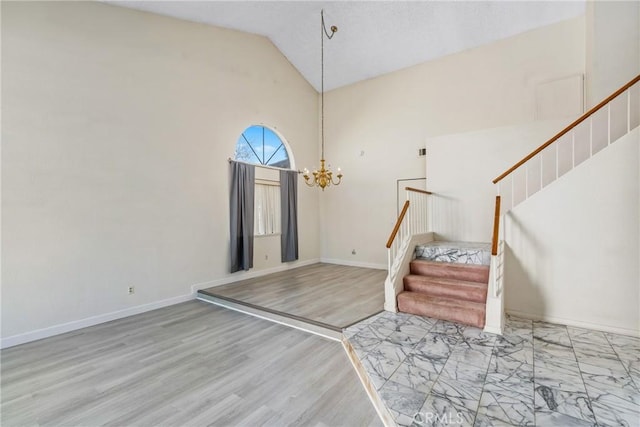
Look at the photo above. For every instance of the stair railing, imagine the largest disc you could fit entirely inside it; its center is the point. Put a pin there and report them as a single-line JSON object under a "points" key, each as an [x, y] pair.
{"points": [[611, 119], [614, 117], [497, 253], [413, 220]]}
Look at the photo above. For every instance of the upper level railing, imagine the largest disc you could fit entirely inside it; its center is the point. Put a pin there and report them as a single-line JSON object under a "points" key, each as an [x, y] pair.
{"points": [[611, 119]]}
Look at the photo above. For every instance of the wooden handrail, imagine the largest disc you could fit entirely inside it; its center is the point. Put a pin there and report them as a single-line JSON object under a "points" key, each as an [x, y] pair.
{"points": [[567, 129], [398, 223], [417, 190], [496, 226]]}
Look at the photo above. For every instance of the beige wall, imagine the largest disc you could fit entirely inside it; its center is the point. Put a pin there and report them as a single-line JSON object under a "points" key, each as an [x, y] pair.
{"points": [[117, 126], [612, 47], [572, 250], [375, 128], [463, 202]]}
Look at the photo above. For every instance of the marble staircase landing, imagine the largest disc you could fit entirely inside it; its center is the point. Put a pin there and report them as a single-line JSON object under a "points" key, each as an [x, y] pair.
{"points": [[455, 252]]}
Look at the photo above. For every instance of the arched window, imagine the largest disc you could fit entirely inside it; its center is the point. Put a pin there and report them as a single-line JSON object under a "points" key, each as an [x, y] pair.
{"points": [[275, 200], [260, 145]]}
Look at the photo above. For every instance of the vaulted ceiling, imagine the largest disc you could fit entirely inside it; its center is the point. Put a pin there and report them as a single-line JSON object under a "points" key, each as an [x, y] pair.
{"points": [[374, 38]]}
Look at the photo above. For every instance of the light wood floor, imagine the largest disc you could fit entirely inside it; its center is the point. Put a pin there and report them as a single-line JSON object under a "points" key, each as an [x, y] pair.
{"points": [[337, 295], [188, 364]]}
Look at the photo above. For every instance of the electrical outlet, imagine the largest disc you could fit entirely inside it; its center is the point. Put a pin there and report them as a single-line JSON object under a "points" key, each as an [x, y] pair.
{"points": [[353, 251], [131, 289]]}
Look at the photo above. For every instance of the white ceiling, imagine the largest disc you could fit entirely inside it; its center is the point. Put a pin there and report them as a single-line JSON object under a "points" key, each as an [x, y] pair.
{"points": [[373, 38]]}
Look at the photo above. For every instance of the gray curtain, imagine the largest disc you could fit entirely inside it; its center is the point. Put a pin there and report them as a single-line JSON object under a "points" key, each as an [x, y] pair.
{"points": [[243, 180], [289, 215]]}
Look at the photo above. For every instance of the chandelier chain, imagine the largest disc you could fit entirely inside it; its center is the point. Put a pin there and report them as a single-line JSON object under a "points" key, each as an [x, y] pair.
{"points": [[323, 32], [322, 177]]}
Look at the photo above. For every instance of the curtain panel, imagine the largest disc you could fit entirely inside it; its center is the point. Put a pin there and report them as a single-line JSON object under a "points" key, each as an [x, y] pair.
{"points": [[289, 215], [241, 211]]}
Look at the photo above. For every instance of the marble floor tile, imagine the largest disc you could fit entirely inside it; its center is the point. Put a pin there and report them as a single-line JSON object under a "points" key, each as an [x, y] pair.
{"points": [[547, 350], [558, 337], [363, 345], [474, 333], [402, 420], [630, 359], [573, 404], [546, 418], [377, 370], [438, 412], [391, 354], [460, 371], [425, 362], [402, 339], [517, 383], [508, 365], [610, 410], [623, 342], [437, 346], [462, 394], [597, 354], [558, 364], [601, 380], [536, 373], [514, 355], [477, 357], [481, 342], [569, 381], [483, 420], [374, 331], [402, 399], [507, 409], [384, 327], [587, 336], [448, 328], [352, 331], [633, 368], [408, 374], [415, 331], [426, 323]]}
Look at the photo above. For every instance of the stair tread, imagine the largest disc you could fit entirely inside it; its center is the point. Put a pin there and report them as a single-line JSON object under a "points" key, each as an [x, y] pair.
{"points": [[445, 281], [455, 252], [450, 302], [450, 264]]}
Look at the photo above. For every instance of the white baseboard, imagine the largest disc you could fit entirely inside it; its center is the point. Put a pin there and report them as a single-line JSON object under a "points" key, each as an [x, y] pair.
{"points": [[243, 275], [89, 321], [354, 263], [576, 323]]}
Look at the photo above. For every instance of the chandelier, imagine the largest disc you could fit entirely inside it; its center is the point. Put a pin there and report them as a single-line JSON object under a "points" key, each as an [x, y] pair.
{"points": [[322, 177]]}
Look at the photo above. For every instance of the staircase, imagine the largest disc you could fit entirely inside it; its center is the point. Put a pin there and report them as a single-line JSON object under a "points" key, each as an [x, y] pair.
{"points": [[448, 280]]}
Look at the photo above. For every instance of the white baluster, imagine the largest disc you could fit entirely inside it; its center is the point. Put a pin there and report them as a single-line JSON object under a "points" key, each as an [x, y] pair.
{"points": [[541, 169], [628, 110], [512, 190], [590, 136], [526, 180], [557, 160], [609, 123], [573, 149]]}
